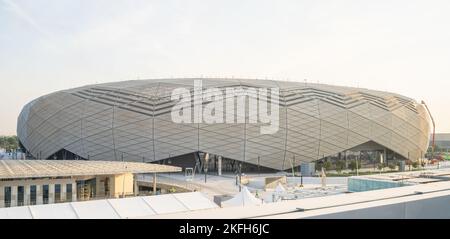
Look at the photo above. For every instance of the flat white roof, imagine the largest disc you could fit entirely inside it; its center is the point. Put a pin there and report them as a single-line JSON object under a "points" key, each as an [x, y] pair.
{"points": [[58, 168], [135, 207]]}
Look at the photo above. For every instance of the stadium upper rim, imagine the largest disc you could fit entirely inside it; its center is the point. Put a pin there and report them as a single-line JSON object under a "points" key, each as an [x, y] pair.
{"points": [[136, 86]]}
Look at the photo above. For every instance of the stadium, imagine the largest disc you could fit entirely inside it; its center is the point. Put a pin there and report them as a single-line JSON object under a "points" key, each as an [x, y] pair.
{"points": [[131, 121]]}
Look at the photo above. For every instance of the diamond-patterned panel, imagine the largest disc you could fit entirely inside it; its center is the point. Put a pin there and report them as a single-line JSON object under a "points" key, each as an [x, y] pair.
{"points": [[133, 119]]}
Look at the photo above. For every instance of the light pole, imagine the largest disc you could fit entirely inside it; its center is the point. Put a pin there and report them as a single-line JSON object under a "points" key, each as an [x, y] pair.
{"points": [[301, 180], [123, 181], [240, 176], [206, 165], [357, 173], [293, 166], [259, 172]]}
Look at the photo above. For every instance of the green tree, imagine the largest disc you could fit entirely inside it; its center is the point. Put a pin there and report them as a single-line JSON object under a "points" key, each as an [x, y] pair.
{"points": [[9, 143], [352, 165], [327, 165], [409, 163], [392, 166], [340, 165], [319, 166], [380, 166]]}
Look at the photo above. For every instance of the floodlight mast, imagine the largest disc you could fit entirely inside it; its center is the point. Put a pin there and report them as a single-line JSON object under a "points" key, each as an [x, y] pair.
{"points": [[434, 129]]}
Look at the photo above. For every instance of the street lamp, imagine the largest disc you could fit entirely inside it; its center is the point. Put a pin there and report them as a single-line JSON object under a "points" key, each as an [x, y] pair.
{"points": [[301, 180], [357, 172], [240, 176], [206, 165], [259, 163]]}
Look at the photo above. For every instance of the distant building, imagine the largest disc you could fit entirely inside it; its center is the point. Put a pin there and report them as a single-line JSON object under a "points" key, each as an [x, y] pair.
{"points": [[442, 142]]}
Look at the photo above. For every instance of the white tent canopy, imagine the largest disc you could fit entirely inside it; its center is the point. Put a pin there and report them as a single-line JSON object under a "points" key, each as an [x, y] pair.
{"points": [[244, 198]]}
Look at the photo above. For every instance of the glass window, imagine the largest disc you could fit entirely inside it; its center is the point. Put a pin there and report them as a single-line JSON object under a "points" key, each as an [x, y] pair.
{"points": [[45, 194], [7, 196], [57, 193], [69, 192], [20, 195], [33, 195], [107, 185]]}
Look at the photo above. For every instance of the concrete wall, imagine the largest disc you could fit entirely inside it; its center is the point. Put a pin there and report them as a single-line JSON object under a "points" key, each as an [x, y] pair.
{"points": [[122, 184]]}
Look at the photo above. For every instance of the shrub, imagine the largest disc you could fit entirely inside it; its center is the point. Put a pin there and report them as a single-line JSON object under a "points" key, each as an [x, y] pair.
{"points": [[380, 166], [392, 166]]}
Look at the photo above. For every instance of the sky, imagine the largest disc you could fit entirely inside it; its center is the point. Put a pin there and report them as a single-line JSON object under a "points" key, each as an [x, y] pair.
{"points": [[399, 46]]}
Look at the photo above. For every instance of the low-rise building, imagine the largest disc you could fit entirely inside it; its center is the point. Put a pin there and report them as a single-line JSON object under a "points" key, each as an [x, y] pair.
{"points": [[442, 142], [34, 182]]}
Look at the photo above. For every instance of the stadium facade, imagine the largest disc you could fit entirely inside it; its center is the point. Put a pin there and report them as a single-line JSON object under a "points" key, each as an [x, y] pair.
{"points": [[131, 121]]}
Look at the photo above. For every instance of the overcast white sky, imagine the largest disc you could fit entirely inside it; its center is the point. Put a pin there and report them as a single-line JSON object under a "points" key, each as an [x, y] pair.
{"points": [[400, 46]]}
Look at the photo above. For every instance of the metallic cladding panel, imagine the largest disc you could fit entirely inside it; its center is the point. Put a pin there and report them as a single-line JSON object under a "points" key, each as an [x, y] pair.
{"points": [[132, 119]]}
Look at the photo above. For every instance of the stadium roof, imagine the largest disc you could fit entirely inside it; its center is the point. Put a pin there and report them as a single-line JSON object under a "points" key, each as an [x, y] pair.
{"points": [[134, 119], [163, 87], [60, 168]]}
